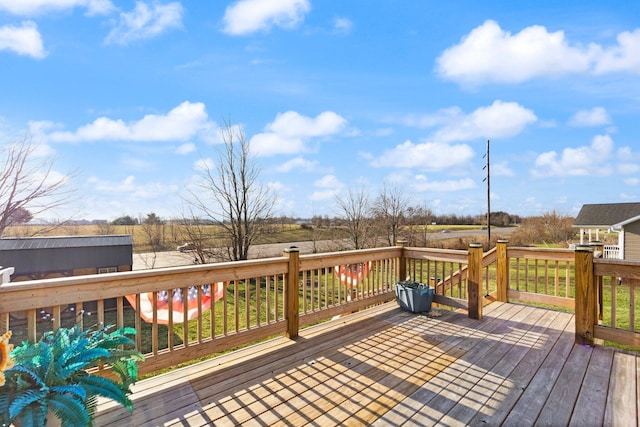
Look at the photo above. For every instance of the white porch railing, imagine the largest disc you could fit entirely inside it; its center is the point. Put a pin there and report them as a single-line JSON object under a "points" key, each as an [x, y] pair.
{"points": [[612, 252]]}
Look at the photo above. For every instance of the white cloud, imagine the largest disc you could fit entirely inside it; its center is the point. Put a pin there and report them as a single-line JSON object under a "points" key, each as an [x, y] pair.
{"points": [[629, 168], [581, 161], [203, 165], [40, 127], [288, 133], [145, 22], [268, 144], [489, 54], [628, 161], [632, 182], [130, 188], [24, 40], [298, 164], [182, 123], [187, 148], [499, 120], [597, 116], [626, 154], [342, 25], [442, 116], [433, 156], [293, 124], [501, 169], [41, 150], [625, 56], [328, 186], [39, 7], [249, 16]]}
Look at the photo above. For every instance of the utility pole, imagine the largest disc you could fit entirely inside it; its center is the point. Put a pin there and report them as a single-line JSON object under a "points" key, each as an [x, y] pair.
{"points": [[487, 178]]}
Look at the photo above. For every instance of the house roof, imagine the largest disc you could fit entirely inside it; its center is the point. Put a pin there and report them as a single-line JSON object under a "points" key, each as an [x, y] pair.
{"points": [[606, 214]]}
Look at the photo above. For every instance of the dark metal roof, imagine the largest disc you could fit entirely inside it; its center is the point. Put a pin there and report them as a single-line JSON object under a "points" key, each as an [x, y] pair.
{"points": [[17, 243], [606, 214], [56, 254]]}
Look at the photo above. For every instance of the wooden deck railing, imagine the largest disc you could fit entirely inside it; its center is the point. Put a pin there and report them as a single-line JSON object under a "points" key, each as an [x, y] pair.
{"points": [[266, 297], [541, 275], [607, 307], [257, 299]]}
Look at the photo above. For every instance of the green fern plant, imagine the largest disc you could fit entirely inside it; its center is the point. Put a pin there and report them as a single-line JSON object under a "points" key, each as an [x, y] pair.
{"points": [[54, 374]]}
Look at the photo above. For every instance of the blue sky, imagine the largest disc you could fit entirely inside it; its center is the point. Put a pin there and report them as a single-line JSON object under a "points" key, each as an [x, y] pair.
{"points": [[332, 95]]}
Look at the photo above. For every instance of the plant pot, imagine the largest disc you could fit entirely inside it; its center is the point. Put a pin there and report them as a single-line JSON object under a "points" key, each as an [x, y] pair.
{"points": [[414, 297]]}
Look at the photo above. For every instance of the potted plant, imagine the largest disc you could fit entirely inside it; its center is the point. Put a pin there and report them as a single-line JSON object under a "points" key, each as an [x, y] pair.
{"points": [[414, 296], [55, 375]]}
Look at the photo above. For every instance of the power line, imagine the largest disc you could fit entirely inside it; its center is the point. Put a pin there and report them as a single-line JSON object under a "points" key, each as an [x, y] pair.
{"points": [[487, 179]]}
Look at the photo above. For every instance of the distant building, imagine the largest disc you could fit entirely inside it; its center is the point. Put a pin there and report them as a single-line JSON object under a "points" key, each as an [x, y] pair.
{"points": [[623, 218], [48, 257]]}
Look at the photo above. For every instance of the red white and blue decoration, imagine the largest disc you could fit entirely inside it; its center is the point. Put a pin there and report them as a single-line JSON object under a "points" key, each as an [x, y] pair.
{"points": [[180, 309], [352, 274]]}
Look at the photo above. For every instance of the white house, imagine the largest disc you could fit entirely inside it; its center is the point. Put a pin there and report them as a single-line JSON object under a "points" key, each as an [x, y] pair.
{"points": [[621, 218]]}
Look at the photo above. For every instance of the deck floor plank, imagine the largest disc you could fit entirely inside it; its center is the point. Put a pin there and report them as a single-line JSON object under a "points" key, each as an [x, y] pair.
{"points": [[496, 368], [450, 388], [490, 370], [462, 336], [532, 400], [507, 394], [386, 367], [566, 388], [622, 408], [385, 351], [593, 394]]}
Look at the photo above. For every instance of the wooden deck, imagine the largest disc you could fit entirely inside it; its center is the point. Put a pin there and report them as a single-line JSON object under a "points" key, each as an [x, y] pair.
{"points": [[385, 367]]}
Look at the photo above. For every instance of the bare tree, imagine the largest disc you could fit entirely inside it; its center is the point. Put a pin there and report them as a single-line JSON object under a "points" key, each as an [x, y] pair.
{"points": [[552, 227], [198, 237], [105, 228], [232, 196], [389, 212], [28, 184], [354, 211], [151, 228]]}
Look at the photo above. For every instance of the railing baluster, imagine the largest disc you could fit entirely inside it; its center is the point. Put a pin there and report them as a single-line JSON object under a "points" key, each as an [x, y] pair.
{"points": [[556, 281], [258, 301], [247, 306], [199, 313], [614, 302], [154, 326], [185, 319], [546, 276], [632, 306], [138, 324]]}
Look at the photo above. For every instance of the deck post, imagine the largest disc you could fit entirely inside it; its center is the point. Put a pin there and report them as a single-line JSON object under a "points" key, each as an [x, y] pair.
{"points": [[291, 300], [474, 281], [586, 304], [402, 268], [598, 252], [502, 271]]}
